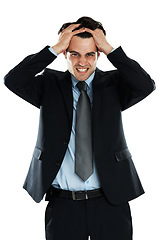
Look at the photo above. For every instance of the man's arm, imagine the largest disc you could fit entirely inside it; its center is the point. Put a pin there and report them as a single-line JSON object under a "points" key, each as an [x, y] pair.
{"points": [[132, 81], [22, 79]]}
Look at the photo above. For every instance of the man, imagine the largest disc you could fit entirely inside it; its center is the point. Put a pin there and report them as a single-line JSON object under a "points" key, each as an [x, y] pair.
{"points": [[81, 160]]}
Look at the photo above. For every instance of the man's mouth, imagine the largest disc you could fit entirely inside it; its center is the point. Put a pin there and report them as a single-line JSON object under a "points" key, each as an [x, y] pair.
{"points": [[82, 70]]}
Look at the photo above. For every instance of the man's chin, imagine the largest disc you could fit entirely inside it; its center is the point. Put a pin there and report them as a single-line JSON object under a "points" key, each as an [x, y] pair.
{"points": [[82, 77]]}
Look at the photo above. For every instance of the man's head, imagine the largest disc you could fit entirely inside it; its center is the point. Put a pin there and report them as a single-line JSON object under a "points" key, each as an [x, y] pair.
{"points": [[85, 22], [82, 53]]}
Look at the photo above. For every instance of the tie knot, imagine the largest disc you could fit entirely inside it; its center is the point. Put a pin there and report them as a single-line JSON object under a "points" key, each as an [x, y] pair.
{"points": [[82, 86]]}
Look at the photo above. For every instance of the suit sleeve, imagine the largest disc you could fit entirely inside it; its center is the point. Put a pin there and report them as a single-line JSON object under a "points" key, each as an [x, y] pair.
{"points": [[133, 82], [23, 79]]}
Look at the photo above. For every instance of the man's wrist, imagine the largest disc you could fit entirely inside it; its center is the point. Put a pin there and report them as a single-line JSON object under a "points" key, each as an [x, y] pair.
{"points": [[52, 51], [56, 49], [108, 49], [112, 50]]}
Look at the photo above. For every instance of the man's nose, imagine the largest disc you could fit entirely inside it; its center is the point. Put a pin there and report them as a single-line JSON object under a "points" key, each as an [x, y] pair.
{"points": [[82, 61]]}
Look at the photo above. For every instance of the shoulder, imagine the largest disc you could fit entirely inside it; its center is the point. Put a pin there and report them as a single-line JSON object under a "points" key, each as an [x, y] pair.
{"points": [[54, 76], [106, 77], [102, 73], [55, 79], [53, 73]]}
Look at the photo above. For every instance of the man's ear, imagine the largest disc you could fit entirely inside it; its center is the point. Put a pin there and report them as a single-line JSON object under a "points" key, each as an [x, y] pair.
{"points": [[98, 54], [65, 54]]}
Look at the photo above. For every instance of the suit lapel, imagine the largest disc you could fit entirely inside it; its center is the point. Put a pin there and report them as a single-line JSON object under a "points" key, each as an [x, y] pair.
{"points": [[66, 88], [65, 84], [98, 85]]}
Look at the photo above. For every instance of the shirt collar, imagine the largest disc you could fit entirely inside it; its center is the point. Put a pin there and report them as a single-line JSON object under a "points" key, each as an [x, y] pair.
{"points": [[88, 81]]}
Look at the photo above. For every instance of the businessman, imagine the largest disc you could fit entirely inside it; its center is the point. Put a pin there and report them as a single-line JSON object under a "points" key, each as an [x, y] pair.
{"points": [[81, 160]]}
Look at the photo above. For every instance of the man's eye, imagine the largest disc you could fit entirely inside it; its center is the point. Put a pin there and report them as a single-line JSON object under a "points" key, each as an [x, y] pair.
{"points": [[90, 54], [74, 55]]}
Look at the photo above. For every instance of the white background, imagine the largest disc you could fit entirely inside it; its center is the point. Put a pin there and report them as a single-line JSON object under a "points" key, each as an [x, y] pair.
{"points": [[28, 26]]}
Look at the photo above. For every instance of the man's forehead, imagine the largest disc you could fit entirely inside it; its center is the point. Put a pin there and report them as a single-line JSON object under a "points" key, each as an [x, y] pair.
{"points": [[79, 44]]}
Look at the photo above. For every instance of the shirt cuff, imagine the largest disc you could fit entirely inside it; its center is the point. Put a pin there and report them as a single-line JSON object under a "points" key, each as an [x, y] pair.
{"points": [[52, 50], [112, 50]]}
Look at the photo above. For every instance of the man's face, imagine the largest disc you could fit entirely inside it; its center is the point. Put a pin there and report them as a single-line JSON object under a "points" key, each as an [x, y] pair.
{"points": [[81, 57]]}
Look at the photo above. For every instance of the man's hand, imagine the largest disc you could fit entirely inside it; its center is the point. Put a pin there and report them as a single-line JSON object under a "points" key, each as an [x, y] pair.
{"points": [[100, 40], [65, 38]]}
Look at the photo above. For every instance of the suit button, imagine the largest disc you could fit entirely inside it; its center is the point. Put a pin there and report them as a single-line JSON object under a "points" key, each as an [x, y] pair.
{"points": [[58, 164]]}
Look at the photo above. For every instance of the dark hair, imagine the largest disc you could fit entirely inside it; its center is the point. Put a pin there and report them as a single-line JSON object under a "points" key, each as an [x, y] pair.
{"points": [[86, 22]]}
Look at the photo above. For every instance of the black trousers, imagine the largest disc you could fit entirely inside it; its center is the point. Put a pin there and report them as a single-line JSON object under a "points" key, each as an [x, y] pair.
{"points": [[67, 219]]}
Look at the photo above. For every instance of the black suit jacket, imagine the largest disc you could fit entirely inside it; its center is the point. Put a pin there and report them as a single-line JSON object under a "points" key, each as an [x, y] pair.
{"points": [[113, 92]]}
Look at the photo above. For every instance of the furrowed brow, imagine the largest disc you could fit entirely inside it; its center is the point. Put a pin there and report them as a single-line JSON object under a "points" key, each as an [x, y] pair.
{"points": [[91, 53], [74, 52]]}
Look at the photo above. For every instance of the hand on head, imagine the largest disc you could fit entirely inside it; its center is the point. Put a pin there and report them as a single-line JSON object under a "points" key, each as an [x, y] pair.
{"points": [[85, 28]]}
